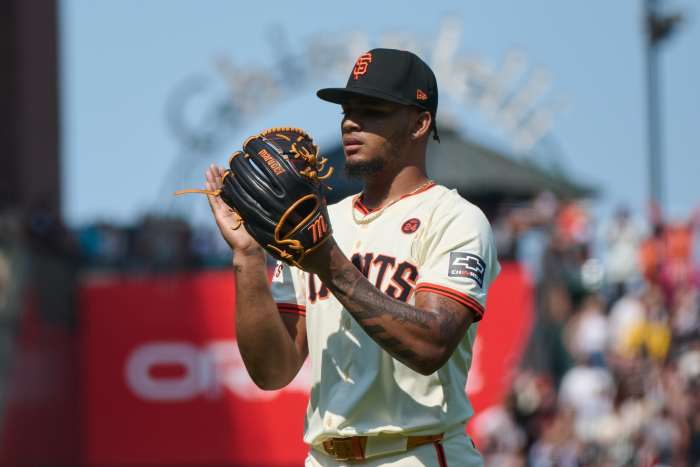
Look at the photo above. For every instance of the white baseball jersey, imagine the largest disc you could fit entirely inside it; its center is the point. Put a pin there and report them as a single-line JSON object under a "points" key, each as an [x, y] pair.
{"points": [[432, 240]]}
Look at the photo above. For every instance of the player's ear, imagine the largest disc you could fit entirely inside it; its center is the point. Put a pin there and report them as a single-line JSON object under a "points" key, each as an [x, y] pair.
{"points": [[421, 125]]}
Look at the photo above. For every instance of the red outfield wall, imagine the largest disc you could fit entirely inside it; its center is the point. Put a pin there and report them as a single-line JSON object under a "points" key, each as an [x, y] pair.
{"points": [[161, 381]]}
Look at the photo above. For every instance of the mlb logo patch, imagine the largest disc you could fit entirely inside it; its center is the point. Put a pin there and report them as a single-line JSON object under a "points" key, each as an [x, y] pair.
{"points": [[467, 265]]}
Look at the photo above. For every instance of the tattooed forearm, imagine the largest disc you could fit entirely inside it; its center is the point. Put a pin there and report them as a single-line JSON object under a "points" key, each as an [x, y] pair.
{"points": [[422, 337], [391, 344], [448, 324], [369, 302]]}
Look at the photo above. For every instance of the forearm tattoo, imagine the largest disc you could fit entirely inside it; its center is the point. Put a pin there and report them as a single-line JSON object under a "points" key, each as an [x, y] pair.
{"points": [[393, 324]]}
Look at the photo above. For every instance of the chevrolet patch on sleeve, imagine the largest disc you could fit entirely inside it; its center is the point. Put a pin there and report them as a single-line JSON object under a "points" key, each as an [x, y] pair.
{"points": [[467, 265]]}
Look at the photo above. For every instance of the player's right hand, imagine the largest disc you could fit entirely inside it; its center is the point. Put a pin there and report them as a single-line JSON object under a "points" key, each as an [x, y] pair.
{"points": [[229, 223]]}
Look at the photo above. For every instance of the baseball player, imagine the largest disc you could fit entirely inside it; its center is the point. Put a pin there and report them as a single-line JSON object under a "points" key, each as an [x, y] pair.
{"points": [[387, 309]]}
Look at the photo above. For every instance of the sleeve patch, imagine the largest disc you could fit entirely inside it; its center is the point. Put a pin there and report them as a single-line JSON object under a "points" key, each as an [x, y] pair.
{"points": [[467, 265]]}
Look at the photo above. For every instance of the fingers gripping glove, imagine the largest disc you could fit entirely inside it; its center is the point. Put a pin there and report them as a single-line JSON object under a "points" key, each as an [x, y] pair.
{"points": [[274, 184]]}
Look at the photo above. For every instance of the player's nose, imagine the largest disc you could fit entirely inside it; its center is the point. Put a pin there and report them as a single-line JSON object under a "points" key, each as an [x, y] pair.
{"points": [[350, 124]]}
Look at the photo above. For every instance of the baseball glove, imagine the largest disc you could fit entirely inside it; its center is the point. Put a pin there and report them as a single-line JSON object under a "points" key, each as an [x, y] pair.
{"points": [[274, 185]]}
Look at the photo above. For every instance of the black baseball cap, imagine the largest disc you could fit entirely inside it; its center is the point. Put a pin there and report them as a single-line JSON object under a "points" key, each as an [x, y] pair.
{"points": [[392, 75]]}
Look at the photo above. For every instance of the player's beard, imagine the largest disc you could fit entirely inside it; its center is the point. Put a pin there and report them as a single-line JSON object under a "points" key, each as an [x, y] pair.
{"points": [[379, 163], [364, 168]]}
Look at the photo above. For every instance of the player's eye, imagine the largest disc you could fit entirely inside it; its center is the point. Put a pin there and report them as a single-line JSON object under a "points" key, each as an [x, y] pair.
{"points": [[366, 112]]}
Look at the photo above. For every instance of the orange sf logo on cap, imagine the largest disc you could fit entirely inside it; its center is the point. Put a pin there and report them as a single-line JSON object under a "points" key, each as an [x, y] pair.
{"points": [[361, 65]]}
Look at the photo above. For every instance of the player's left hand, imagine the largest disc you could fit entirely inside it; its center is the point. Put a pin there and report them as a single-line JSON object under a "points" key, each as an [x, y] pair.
{"points": [[228, 221]]}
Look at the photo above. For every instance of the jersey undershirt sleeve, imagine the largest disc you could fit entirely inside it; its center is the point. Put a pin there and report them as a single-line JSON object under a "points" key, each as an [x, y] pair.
{"points": [[459, 259], [288, 289]]}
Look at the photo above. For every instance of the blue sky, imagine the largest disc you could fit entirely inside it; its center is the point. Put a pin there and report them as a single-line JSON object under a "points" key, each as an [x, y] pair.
{"points": [[123, 60]]}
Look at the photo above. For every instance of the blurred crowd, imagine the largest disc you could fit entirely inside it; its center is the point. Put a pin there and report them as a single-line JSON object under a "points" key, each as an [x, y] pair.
{"points": [[154, 244], [611, 375]]}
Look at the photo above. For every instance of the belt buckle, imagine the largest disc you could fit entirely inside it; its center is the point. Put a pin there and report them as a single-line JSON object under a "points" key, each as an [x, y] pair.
{"points": [[340, 449]]}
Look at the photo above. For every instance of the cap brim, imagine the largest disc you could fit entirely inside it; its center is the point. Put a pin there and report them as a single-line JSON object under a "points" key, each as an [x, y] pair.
{"points": [[341, 95]]}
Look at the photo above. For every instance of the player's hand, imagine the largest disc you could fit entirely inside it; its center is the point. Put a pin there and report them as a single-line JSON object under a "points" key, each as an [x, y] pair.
{"points": [[229, 223]]}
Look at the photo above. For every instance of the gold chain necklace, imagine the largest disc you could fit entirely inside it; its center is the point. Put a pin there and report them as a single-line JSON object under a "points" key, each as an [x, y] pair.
{"points": [[375, 214]]}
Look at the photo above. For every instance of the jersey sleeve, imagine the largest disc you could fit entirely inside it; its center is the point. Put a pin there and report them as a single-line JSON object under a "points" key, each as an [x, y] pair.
{"points": [[288, 290], [459, 259]]}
